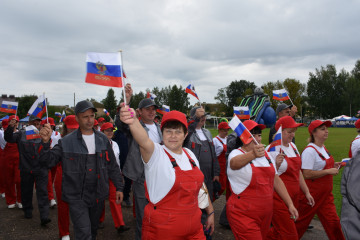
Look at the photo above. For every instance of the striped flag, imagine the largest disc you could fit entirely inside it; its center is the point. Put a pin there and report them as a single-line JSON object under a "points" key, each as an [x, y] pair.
{"points": [[191, 90], [150, 95], [32, 132], [242, 112], [242, 132], [164, 109], [276, 141], [9, 107], [39, 107], [63, 116], [280, 95], [106, 112]]}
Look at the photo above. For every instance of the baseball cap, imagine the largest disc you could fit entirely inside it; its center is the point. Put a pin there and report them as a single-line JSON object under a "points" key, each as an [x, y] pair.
{"points": [[95, 122], [174, 116], [101, 120], [5, 123], [84, 105], [317, 123], [147, 102], [250, 125], [33, 118], [70, 122], [287, 122], [223, 125], [281, 107], [357, 123], [51, 121], [13, 116], [106, 126]]}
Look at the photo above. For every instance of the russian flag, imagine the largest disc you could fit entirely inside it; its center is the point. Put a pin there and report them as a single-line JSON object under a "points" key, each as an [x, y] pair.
{"points": [[276, 141], [104, 69], [32, 132], [280, 95], [242, 112], [163, 110], [106, 112], [39, 107], [63, 116], [150, 95], [58, 114], [9, 107], [344, 162], [191, 90], [242, 132]]}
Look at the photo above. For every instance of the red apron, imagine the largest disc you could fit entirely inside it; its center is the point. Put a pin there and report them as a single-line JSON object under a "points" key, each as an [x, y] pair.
{"points": [[283, 226], [12, 174], [62, 207], [2, 178], [222, 162], [177, 215], [321, 191], [249, 213], [350, 152]]}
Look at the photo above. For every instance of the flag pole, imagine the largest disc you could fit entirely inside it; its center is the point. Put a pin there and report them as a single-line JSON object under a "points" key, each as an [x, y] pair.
{"points": [[122, 77], [47, 115], [281, 138]]}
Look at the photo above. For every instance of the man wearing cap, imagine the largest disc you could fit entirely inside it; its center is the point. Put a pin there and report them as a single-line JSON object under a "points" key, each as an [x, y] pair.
{"points": [[281, 111], [134, 167], [355, 144], [31, 171], [88, 162]]}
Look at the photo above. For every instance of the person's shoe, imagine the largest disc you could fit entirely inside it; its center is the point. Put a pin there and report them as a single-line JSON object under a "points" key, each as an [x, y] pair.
{"points": [[310, 227], [45, 221], [67, 237], [52, 203], [122, 229], [19, 205], [101, 225], [127, 203], [11, 206], [28, 215]]}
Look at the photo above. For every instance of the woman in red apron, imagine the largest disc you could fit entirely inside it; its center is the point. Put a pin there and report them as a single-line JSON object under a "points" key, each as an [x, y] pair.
{"points": [[253, 178], [289, 170], [4, 124], [173, 180], [318, 169]]}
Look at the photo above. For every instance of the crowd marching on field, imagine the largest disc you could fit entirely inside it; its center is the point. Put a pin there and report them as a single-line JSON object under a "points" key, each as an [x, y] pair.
{"points": [[176, 170]]}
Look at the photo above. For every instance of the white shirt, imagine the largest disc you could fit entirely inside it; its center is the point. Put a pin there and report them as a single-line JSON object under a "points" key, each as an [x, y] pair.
{"points": [[2, 140], [355, 145], [311, 160], [55, 136], [90, 143], [201, 134], [218, 145], [241, 178], [153, 133], [160, 173], [289, 151], [116, 150]]}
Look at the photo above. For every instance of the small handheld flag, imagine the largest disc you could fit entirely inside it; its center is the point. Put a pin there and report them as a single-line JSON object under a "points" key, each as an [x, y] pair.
{"points": [[242, 112], [150, 95], [280, 95], [276, 141], [39, 107], [58, 114], [9, 107], [344, 162], [63, 116], [164, 109], [241, 130], [104, 69], [106, 112], [32, 132], [191, 90]]}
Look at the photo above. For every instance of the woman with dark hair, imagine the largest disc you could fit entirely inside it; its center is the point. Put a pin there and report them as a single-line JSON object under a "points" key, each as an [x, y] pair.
{"points": [[253, 178], [318, 168], [173, 181]]}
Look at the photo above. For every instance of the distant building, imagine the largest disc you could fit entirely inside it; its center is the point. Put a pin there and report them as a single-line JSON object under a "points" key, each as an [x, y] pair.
{"points": [[5, 97]]}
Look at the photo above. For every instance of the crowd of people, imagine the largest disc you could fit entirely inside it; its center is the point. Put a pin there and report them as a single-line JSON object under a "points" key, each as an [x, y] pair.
{"points": [[176, 170]]}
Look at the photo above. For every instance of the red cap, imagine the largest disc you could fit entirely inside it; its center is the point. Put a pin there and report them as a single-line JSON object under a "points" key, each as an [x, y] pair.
{"points": [[106, 126], [51, 121], [13, 116], [100, 120], [317, 123], [223, 125], [250, 125], [70, 122], [357, 123], [174, 116], [5, 123], [95, 122], [287, 122]]}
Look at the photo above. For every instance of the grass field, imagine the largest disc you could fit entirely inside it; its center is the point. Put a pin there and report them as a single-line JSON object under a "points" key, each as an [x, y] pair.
{"points": [[337, 144]]}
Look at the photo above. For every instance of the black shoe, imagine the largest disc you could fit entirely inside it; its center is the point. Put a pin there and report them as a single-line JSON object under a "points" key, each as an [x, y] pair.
{"points": [[28, 215], [45, 221], [310, 227], [122, 229], [101, 225]]}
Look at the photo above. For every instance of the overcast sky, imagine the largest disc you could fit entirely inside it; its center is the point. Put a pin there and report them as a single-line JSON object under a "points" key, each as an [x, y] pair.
{"points": [[43, 44]]}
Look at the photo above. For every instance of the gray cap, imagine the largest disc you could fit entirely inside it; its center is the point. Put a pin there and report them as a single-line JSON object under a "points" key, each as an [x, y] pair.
{"points": [[82, 106], [147, 102], [193, 111], [33, 118], [281, 107]]}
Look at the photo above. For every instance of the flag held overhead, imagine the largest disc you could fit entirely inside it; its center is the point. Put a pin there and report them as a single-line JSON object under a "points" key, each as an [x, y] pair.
{"points": [[280, 95], [9, 107], [191, 90], [39, 107], [242, 112]]}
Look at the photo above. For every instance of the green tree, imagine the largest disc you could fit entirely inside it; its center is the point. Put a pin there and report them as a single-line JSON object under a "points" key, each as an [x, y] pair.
{"points": [[110, 102], [25, 103], [352, 90]]}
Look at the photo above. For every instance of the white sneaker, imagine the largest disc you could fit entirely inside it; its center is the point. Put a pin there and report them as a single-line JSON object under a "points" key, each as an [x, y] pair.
{"points": [[19, 205], [11, 206], [52, 203], [67, 237], [3, 195]]}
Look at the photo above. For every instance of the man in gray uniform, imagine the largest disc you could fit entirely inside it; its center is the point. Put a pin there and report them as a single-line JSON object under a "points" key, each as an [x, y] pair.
{"points": [[31, 171], [134, 167], [88, 162]]}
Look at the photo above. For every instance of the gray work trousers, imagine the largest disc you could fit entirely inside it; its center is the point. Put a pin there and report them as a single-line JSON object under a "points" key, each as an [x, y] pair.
{"points": [[140, 203]]}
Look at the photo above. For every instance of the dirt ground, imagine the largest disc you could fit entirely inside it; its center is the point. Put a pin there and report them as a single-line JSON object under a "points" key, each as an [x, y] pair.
{"points": [[13, 225]]}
